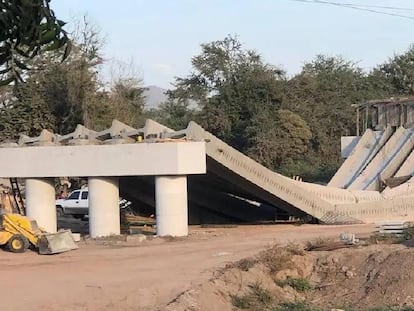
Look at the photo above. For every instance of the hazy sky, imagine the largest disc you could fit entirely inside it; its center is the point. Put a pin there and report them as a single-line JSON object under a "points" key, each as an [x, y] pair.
{"points": [[161, 36]]}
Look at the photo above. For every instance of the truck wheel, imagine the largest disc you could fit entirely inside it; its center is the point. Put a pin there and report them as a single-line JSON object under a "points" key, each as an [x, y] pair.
{"points": [[18, 244], [59, 212]]}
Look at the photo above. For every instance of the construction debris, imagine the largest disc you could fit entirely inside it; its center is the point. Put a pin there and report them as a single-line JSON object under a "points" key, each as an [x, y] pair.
{"points": [[348, 238], [393, 227], [330, 246]]}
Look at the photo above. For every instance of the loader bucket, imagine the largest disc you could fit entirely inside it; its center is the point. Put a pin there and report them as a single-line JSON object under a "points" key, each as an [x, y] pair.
{"points": [[54, 243]]}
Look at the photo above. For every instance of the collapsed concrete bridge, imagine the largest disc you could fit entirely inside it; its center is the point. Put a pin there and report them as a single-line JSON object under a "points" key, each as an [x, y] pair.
{"points": [[222, 184]]}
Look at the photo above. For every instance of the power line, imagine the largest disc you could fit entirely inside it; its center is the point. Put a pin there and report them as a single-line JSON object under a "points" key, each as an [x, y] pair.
{"points": [[378, 7], [359, 7], [384, 7]]}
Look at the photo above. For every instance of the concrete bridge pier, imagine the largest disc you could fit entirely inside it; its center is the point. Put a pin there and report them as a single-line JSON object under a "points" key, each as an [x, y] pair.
{"points": [[40, 202], [171, 205], [104, 211]]}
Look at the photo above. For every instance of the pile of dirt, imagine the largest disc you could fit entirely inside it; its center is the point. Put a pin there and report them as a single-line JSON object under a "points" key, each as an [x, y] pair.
{"points": [[375, 276], [289, 278]]}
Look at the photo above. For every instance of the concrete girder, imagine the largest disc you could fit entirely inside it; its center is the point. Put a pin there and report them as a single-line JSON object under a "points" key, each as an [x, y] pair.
{"points": [[395, 150]]}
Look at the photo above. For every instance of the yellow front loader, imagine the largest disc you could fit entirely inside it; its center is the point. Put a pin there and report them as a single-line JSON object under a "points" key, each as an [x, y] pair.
{"points": [[18, 233]]}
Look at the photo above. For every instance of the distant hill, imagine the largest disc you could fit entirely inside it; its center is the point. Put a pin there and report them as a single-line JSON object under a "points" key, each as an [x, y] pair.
{"points": [[154, 96]]}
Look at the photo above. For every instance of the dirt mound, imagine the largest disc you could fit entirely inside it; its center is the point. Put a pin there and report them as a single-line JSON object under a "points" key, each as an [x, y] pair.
{"points": [[374, 276], [288, 278]]}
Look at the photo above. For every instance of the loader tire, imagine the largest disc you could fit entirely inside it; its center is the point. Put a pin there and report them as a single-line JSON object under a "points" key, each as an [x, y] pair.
{"points": [[59, 212], [18, 244]]}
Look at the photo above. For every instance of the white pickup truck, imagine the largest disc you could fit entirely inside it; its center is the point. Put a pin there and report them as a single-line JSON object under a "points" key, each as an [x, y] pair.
{"points": [[77, 204]]}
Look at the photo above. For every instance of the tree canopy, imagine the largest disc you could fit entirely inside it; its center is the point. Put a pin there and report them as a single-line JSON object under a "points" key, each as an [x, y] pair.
{"points": [[397, 74], [27, 27], [230, 84], [59, 95], [290, 124]]}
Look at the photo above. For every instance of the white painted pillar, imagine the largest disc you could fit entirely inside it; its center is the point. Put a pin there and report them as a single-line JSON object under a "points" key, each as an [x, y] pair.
{"points": [[103, 206], [171, 205], [40, 202]]}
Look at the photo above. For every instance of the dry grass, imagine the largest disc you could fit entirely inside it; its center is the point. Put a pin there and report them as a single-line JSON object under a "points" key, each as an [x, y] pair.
{"points": [[274, 257], [298, 284], [277, 258], [295, 306], [295, 249], [256, 299], [243, 264]]}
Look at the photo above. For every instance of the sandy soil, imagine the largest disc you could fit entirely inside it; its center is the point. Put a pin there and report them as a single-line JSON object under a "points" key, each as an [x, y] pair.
{"points": [[360, 277], [144, 276]]}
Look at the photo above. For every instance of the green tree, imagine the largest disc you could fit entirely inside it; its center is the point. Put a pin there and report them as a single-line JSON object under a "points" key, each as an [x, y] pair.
{"points": [[174, 114], [57, 95], [396, 76], [29, 116], [278, 138], [240, 99], [229, 83], [322, 94], [127, 101], [27, 28]]}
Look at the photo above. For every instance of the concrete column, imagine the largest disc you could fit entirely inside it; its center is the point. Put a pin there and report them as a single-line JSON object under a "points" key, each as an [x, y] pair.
{"points": [[171, 205], [103, 206], [40, 202]]}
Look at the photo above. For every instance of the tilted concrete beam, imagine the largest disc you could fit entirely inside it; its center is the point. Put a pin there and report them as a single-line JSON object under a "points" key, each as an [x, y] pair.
{"points": [[154, 128], [45, 138], [80, 132]]}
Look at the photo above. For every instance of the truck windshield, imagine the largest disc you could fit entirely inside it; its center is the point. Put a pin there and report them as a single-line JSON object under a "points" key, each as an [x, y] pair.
{"points": [[74, 196]]}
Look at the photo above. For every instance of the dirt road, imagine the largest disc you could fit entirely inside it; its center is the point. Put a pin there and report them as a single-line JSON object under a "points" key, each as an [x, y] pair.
{"points": [[140, 277]]}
